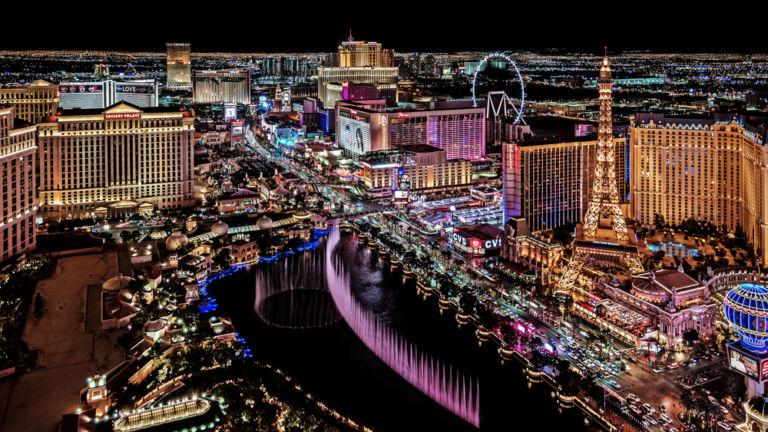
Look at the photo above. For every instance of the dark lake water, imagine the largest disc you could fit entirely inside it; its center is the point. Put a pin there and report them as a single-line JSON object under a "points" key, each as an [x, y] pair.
{"points": [[333, 364]]}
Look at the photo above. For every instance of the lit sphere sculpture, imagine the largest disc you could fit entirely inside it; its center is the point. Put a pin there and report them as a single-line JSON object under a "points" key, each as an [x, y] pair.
{"points": [[746, 309]]}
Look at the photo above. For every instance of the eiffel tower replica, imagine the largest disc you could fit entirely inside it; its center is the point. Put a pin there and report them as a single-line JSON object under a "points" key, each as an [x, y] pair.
{"points": [[603, 236]]}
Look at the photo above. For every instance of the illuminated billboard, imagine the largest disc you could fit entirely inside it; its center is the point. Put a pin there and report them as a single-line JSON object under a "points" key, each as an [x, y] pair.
{"points": [[751, 365], [354, 135], [475, 243], [237, 127], [740, 362], [81, 88], [401, 196], [230, 111], [134, 88]]}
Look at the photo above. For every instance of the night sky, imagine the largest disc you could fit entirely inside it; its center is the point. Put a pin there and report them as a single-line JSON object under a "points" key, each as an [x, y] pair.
{"points": [[405, 26]]}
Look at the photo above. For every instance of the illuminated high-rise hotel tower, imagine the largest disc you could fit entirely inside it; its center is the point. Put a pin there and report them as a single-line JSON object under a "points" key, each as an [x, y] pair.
{"points": [[178, 65], [354, 53], [603, 236], [18, 203]]}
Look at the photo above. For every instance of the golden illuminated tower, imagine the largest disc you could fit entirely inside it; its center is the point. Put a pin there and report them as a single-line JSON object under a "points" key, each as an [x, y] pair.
{"points": [[605, 196], [178, 65], [603, 236]]}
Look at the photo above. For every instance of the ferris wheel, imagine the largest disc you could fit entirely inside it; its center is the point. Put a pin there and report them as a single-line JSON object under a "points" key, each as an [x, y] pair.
{"points": [[498, 101]]}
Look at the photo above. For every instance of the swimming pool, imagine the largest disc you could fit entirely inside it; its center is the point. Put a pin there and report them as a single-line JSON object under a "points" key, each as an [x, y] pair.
{"points": [[673, 249]]}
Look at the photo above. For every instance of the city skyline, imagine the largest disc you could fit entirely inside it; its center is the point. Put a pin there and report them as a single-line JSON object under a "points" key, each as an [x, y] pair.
{"points": [[420, 219]]}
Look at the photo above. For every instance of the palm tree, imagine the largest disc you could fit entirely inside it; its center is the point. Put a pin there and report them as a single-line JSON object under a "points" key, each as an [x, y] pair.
{"points": [[689, 402]]}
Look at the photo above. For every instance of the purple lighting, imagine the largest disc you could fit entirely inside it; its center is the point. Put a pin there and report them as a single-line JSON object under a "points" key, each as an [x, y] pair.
{"points": [[444, 384]]}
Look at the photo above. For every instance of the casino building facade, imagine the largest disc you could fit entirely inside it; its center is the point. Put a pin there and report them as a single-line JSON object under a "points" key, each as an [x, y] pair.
{"points": [[104, 93], [711, 169], [222, 86], [33, 102], [330, 78], [95, 163], [18, 206], [178, 65], [672, 302], [354, 53], [416, 168], [368, 125], [549, 181]]}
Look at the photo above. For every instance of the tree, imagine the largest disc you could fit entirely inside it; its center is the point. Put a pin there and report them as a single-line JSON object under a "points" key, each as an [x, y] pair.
{"points": [[691, 336], [564, 233], [223, 258], [126, 236], [690, 402], [536, 342], [468, 302], [509, 334]]}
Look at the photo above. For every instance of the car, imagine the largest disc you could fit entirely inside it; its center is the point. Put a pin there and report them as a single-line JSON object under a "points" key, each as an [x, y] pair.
{"points": [[665, 419], [633, 397], [674, 365], [650, 420], [685, 363], [723, 425], [693, 360], [663, 409], [658, 370]]}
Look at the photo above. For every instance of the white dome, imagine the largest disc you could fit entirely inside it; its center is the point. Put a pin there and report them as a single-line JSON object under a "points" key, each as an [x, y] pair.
{"points": [[176, 240], [116, 283], [154, 326], [264, 223], [302, 214], [220, 228]]}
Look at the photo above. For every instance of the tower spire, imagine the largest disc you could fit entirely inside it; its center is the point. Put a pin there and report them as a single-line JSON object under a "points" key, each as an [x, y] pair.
{"points": [[605, 194], [604, 201]]}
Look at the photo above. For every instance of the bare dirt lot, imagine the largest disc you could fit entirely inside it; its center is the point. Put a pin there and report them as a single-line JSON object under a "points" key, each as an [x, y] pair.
{"points": [[36, 400]]}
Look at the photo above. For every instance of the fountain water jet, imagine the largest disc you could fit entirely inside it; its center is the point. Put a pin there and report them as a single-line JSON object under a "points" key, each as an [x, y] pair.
{"points": [[289, 294], [446, 386]]}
